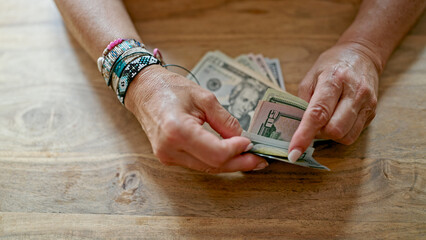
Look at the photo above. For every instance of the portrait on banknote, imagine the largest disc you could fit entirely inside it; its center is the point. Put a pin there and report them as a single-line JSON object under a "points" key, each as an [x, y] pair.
{"points": [[243, 100]]}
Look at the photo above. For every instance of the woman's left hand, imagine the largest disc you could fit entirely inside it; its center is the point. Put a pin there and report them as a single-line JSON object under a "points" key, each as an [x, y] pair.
{"points": [[341, 89]]}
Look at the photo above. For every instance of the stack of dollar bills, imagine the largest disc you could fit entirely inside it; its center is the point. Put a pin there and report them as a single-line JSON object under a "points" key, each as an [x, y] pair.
{"points": [[251, 88]]}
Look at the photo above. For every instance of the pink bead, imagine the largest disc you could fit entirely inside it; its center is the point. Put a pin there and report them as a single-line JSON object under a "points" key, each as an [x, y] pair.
{"points": [[114, 43], [157, 54]]}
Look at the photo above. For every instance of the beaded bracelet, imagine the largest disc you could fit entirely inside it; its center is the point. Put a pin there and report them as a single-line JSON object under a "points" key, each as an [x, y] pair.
{"points": [[121, 63], [114, 50], [112, 56], [130, 71]]}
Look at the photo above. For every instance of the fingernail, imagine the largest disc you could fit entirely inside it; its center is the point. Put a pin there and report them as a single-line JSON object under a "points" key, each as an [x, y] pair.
{"points": [[261, 166], [294, 155], [250, 146]]}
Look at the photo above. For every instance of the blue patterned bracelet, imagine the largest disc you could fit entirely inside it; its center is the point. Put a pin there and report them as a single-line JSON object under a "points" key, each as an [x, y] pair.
{"points": [[130, 71], [121, 63]]}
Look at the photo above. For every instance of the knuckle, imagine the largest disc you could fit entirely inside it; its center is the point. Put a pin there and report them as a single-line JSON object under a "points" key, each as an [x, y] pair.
{"points": [[372, 115], [306, 89], [373, 103], [232, 122], [364, 92], [347, 140], [368, 121], [306, 86], [338, 79], [303, 86], [334, 131], [370, 110], [336, 83], [319, 113], [171, 131], [208, 97], [340, 76], [369, 115]]}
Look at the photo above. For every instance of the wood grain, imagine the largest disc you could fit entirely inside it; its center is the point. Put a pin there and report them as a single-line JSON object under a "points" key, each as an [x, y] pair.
{"points": [[74, 164], [91, 226]]}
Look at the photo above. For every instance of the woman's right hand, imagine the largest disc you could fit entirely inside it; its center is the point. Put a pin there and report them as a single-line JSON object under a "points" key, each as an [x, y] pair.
{"points": [[172, 110]]}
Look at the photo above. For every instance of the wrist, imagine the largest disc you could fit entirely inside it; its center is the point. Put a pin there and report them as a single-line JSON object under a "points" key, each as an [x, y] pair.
{"points": [[142, 87], [367, 50]]}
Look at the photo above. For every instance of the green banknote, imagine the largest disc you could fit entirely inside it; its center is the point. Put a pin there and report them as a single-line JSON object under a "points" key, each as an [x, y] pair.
{"points": [[278, 150], [275, 120], [248, 89]]}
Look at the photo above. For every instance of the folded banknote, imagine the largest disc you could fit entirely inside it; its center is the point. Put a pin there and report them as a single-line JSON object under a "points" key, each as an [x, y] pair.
{"points": [[248, 88]]}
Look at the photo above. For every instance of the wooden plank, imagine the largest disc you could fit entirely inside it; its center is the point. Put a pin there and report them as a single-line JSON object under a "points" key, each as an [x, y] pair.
{"points": [[90, 226], [357, 189]]}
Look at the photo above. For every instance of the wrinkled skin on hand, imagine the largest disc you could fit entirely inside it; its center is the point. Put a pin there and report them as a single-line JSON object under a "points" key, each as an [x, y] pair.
{"points": [[172, 109], [341, 89]]}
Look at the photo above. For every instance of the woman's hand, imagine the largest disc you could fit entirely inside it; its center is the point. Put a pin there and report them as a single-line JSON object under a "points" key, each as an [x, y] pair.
{"points": [[341, 89], [172, 110]]}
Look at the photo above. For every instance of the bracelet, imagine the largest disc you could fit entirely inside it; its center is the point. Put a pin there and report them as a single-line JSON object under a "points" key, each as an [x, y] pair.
{"points": [[111, 57], [130, 71], [121, 63], [112, 44], [119, 70], [114, 50], [157, 55]]}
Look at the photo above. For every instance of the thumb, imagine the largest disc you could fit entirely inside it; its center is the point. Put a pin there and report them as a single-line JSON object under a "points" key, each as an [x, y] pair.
{"points": [[220, 119]]}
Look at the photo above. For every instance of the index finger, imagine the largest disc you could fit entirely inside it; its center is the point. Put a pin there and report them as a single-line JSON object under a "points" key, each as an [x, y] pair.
{"points": [[319, 111]]}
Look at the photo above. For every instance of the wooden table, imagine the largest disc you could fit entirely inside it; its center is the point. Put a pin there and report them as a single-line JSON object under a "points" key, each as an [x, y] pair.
{"points": [[75, 164]]}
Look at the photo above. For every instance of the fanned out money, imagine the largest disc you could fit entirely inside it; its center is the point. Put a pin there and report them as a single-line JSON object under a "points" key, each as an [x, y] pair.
{"points": [[268, 68], [252, 89]]}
